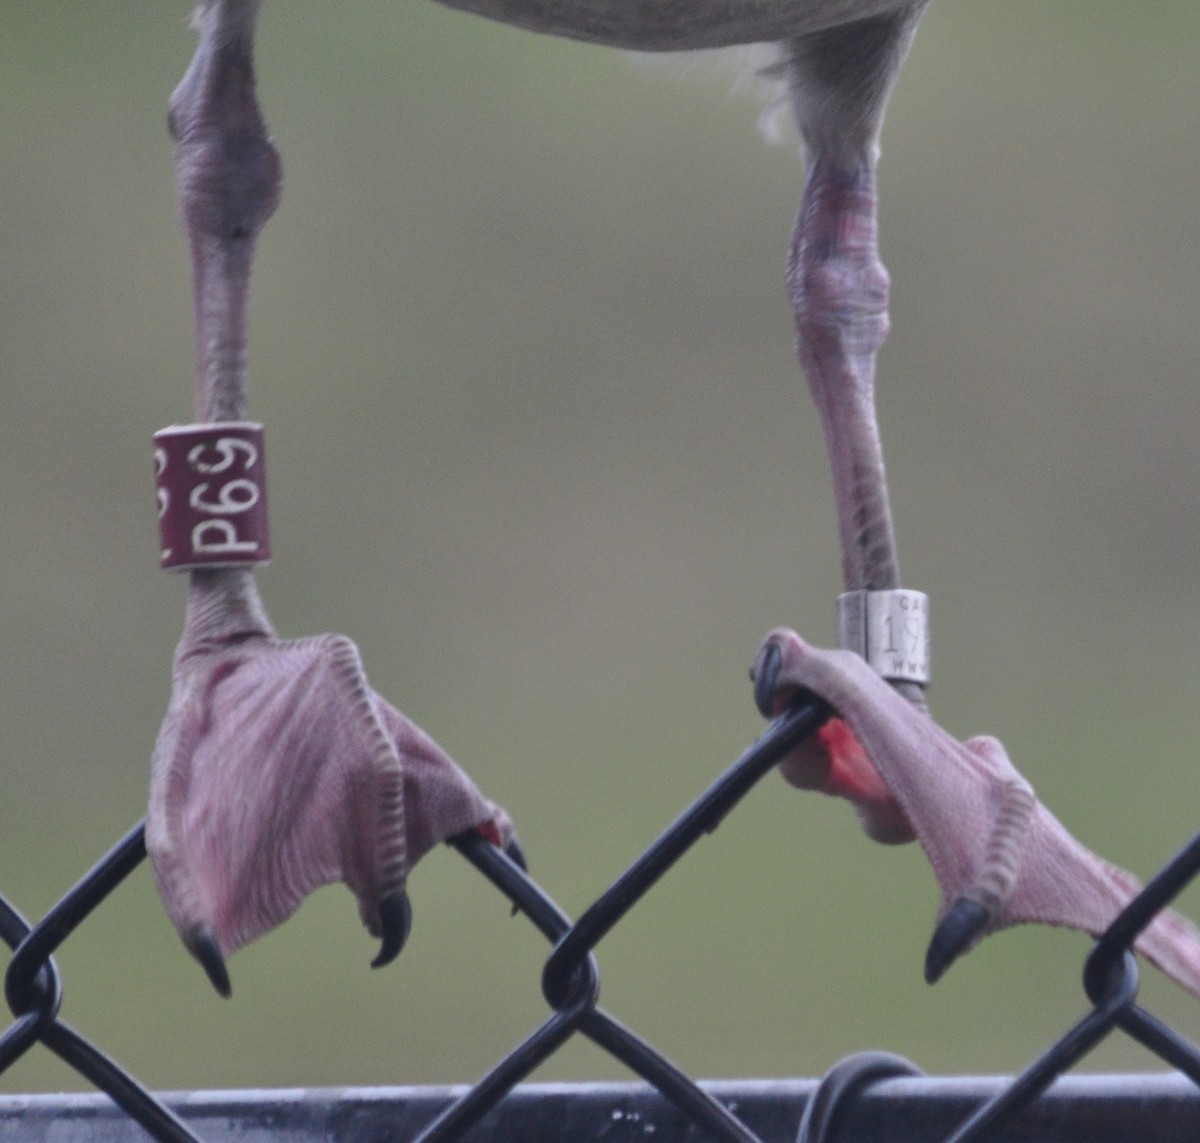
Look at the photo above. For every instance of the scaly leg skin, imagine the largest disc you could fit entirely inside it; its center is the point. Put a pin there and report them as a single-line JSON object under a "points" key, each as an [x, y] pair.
{"points": [[277, 768], [839, 80], [229, 178], [999, 856]]}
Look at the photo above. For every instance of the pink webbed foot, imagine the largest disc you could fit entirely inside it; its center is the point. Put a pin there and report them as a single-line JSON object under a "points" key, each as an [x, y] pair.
{"points": [[278, 770], [999, 856]]}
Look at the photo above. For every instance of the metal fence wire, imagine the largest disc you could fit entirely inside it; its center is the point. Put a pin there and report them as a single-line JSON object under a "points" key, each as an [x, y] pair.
{"points": [[868, 1096]]}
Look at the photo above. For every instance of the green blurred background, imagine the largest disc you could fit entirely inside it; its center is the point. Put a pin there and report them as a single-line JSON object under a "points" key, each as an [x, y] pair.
{"points": [[539, 444]]}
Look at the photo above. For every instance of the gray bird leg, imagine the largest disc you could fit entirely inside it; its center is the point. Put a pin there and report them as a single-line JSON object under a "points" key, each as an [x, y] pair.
{"points": [[229, 179], [840, 79], [277, 769]]}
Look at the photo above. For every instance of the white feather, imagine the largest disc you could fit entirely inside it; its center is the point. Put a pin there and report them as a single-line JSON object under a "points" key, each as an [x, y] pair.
{"points": [[757, 70]]}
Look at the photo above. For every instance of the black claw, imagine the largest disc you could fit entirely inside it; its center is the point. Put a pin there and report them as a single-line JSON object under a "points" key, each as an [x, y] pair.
{"points": [[765, 678], [395, 919], [517, 855], [203, 946], [957, 932]]}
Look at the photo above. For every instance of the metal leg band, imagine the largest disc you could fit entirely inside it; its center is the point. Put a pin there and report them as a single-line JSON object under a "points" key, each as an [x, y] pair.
{"points": [[890, 629]]}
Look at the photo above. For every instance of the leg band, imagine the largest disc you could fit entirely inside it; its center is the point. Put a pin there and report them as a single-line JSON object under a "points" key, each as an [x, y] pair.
{"points": [[890, 629], [212, 495]]}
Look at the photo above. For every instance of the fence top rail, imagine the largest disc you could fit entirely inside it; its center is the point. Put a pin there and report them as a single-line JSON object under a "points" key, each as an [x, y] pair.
{"points": [[1153, 1108]]}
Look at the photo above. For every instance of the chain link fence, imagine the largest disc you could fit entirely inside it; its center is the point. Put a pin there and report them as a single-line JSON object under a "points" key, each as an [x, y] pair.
{"points": [[869, 1096]]}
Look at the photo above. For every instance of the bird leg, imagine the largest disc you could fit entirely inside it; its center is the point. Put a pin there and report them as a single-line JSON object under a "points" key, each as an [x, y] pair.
{"points": [[839, 80], [839, 290], [999, 856], [229, 178], [277, 768]]}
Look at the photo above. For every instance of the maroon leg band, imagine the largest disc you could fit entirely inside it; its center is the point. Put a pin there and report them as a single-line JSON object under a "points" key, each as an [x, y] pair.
{"points": [[212, 495]]}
